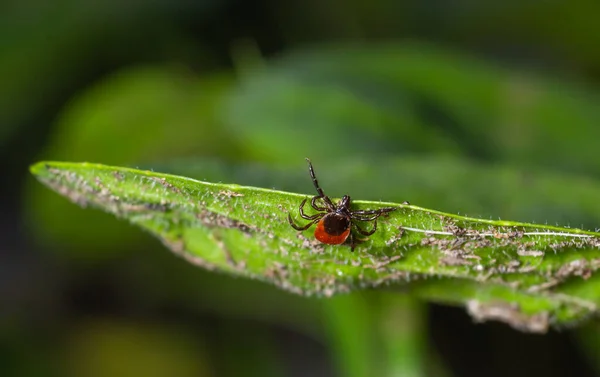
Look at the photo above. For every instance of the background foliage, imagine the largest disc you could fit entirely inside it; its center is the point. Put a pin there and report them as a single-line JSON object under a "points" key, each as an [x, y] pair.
{"points": [[481, 108]]}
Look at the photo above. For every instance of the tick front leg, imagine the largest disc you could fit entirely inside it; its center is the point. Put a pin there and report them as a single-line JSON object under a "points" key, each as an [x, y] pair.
{"points": [[367, 233], [305, 216], [314, 204], [365, 218], [298, 227], [379, 211]]}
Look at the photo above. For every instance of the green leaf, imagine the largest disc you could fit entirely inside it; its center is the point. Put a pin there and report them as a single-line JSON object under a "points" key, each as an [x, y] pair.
{"points": [[528, 275]]}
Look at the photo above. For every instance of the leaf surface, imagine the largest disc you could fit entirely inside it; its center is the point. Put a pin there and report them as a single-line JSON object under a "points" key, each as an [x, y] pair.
{"points": [[528, 275]]}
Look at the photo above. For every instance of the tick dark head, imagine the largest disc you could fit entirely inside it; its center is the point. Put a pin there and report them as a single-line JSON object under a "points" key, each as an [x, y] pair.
{"points": [[335, 221]]}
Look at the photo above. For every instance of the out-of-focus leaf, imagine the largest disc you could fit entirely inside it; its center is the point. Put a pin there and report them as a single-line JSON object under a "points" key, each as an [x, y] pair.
{"points": [[47, 49], [589, 339], [377, 333], [107, 348], [402, 328], [245, 350], [351, 337], [142, 114], [336, 101], [527, 275], [283, 117]]}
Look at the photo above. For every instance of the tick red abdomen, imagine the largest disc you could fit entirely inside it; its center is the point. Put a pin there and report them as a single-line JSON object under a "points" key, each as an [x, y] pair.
{"points": [[333, 229]]}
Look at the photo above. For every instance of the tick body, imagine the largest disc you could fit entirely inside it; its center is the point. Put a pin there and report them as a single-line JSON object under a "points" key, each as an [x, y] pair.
{"points": [[335, 222], [333, 229]]}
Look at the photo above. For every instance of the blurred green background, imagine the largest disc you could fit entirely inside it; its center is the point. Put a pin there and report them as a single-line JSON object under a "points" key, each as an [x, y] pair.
{"points": [[483, 108]]}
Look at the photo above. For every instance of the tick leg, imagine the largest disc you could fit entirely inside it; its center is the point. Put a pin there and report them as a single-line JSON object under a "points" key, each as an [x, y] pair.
{"points": [[317, 187], [379, 211], [304, 215], [367, 233], [365, 217], [298, 227], [313, 203], [352, 244], [314, 178], [312, 217]]}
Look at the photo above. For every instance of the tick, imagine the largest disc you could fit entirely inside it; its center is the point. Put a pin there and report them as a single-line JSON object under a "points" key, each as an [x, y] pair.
{"points": [[335, 221]]}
